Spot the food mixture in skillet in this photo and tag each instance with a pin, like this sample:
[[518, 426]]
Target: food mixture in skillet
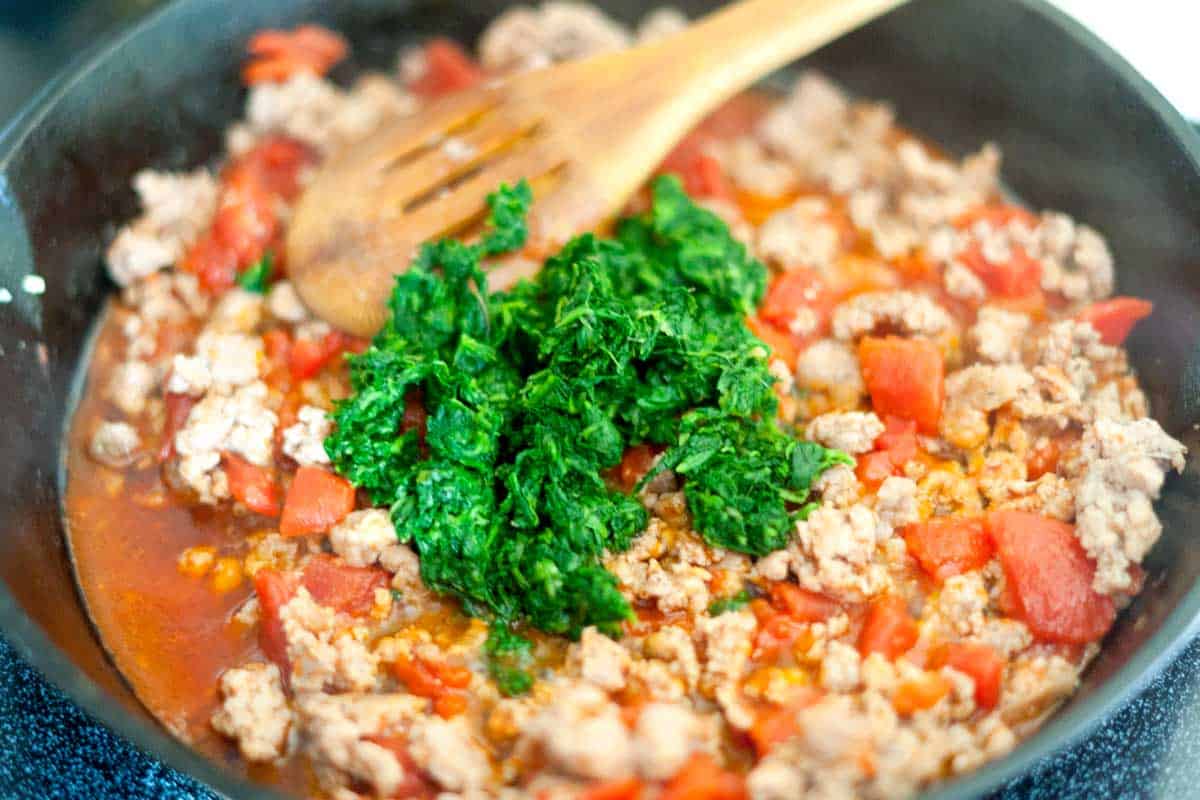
[[822, 473]]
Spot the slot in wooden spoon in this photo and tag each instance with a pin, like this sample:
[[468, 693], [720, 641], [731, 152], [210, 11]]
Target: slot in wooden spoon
[[587, 133]]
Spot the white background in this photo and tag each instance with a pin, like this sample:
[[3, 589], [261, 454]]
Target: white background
[[1161, 38]]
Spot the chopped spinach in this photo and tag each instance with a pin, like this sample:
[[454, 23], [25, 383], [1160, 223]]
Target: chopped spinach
[[731, 603], [534, 393]]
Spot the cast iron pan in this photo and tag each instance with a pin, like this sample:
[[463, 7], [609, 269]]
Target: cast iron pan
[[1079, 129]]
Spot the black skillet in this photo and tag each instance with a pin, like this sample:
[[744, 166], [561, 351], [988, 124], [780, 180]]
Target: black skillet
[[1079, 129]]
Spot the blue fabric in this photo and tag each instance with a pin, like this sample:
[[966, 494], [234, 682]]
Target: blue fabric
[[51, 749]]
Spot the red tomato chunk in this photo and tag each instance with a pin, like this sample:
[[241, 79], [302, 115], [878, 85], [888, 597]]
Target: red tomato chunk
[[1114, 318], [1049, 578], [343, 587], [904, 379], [888, 629], [946, 547], [316, 501]]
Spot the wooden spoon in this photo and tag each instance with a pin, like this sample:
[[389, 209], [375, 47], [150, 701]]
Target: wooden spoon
[[586, 134]]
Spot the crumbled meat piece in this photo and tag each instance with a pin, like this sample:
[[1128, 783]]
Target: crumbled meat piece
[[962, 603], [664, 737], [727, 639], [304, 442], [800, 235], [1075, 259], [240, 423], [854, 432], [333, 728], [997, 334], [974, 392], [838, 486], [908, 313], [1124, 467], [321, 656], [751, 167], [130, 385], [238, 311], [1050, 495], [836, 552], [840, 668], [449, 753], [896, 502], [660, 23], [254, 711], [602, 662], [1006, 636], [675, 587], [176, 207], [1034, 685], [525, 38], [962, 283], [673, 646], [284, 303], [364, 536], [318, 113], [581, 733], [774, 566], [114, 444], [831, 366], [223, 361]]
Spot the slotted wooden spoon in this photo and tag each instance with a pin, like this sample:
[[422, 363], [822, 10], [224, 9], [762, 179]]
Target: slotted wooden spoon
[[586, 134]]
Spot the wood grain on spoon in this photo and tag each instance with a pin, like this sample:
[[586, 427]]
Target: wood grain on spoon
[[587, 134]]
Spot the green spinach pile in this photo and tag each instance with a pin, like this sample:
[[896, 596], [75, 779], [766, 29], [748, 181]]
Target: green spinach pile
[[534, 393]]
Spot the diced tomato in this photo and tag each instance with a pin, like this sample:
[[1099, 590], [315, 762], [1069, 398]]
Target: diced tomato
[[178, 406], [246, 220], [776, 724], [898, 440], [274, 165], [456, 676], [1019, 276], [1114, 318], [981, 662], [894, 448], [904, 378], [213, 262], [617, 789], [450, 704], [416, 675], [801, 604], [334, 583], [1050, 577], [448, 69], [251, 485], [277, 55], [436, 681], [998, 216], [776, 630], [919, 693], [309, 356], [874, 468], [1044, 457], [413, 785], [702, 175], [948, 546], [781, 343], [274, 590], [635, 463], [888, 629], [277, 344], [792, 291], [701, 778], [316, 501]]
